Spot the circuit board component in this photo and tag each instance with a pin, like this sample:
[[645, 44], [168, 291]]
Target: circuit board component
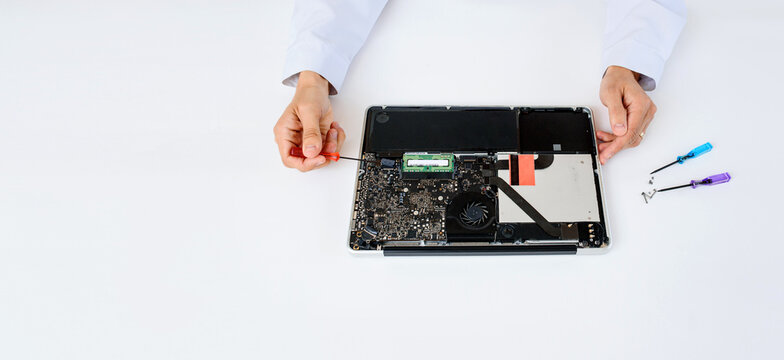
[[422, 162]]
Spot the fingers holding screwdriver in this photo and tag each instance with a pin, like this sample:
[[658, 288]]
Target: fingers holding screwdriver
[[288, 134], [294, 156], [307, 122]]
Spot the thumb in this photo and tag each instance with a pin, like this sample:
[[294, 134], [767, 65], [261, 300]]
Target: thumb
[[311, 133], [617, 114]]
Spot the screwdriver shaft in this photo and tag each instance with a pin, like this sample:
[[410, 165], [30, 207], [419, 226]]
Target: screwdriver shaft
[[360, 160], [674, 187], [664, 167]]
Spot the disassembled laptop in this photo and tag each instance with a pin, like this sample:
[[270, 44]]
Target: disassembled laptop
[[456, 181]]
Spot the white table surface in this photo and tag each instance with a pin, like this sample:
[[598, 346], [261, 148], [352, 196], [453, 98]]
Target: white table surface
[[144, 213]]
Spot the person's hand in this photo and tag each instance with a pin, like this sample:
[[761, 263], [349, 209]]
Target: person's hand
[[631, 111], [307, 122]]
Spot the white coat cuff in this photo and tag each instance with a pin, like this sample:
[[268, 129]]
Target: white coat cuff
[[317, 57], [638, 58]]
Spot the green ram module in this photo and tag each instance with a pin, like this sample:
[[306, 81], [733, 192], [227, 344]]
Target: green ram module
[[421, 162]]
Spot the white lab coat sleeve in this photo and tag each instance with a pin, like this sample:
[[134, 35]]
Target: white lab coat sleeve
[[640, 36], [326, 35]]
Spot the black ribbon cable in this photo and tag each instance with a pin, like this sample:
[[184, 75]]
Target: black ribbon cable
[[514, 170], [526, 207]]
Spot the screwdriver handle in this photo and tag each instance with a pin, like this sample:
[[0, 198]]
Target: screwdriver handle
[[699, 150], [297, 152], [712, 180]]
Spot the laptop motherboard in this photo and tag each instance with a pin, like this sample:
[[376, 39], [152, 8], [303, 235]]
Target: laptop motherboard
[[444, 199]]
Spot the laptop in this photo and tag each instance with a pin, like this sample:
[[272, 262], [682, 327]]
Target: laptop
[[478, 181]]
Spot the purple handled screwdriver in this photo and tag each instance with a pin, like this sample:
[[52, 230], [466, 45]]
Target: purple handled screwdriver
[[710, 180]]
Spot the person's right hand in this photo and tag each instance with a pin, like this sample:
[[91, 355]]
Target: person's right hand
[[307, 122]]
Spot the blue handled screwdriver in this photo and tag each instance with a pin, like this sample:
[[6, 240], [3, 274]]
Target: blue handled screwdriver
[[699, 150]]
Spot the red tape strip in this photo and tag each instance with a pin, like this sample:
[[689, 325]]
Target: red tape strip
[[525, 172]]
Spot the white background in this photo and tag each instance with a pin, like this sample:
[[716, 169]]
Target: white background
[[144, 213]]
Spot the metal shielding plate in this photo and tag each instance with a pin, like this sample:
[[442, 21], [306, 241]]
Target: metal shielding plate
[[565, 191]]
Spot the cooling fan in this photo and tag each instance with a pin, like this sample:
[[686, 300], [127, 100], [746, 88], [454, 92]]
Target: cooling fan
[[469, 215], [474, 214]]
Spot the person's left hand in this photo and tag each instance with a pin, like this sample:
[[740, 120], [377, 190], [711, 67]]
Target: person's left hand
[[631, 111]]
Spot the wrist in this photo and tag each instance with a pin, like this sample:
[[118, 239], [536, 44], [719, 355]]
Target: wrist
[[310, 79], [622, 71]]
